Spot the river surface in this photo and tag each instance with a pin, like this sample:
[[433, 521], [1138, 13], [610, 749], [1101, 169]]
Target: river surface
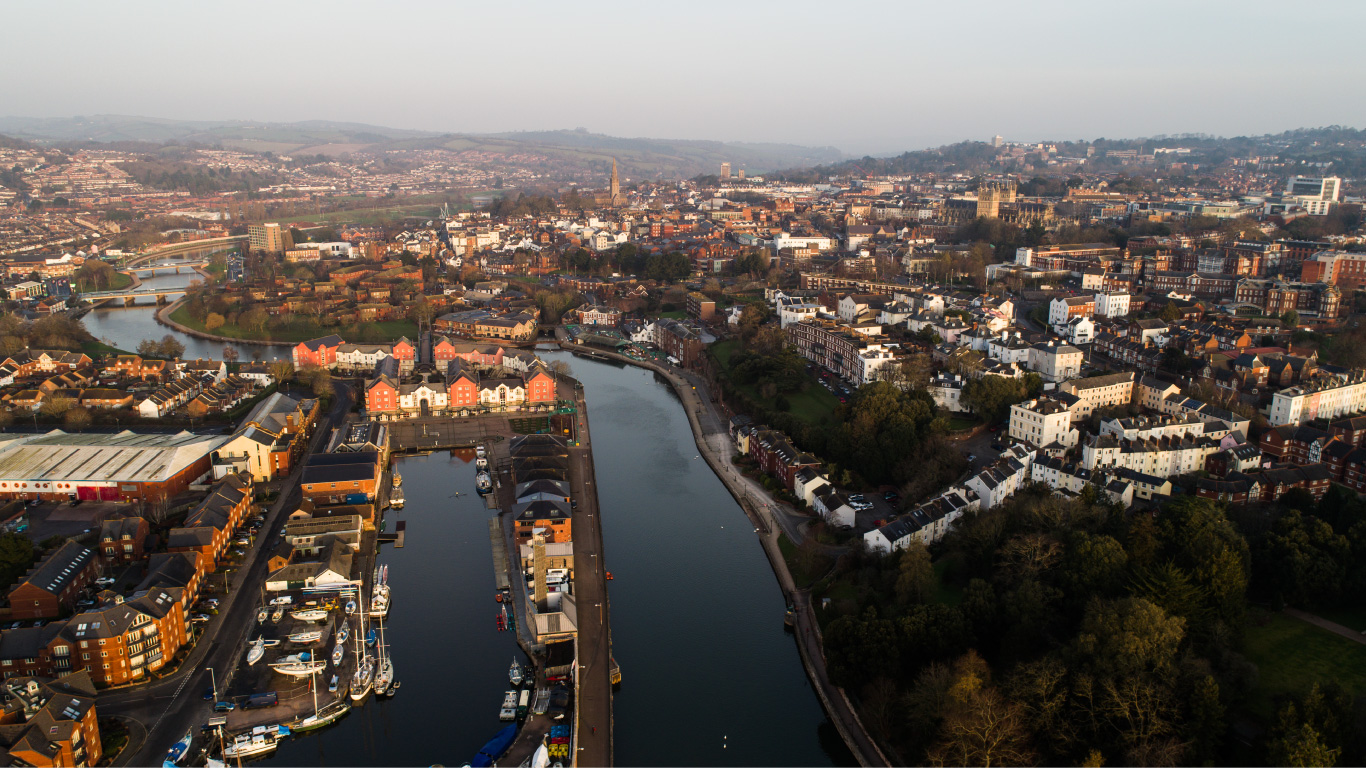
[[124, 327], [709, 676]]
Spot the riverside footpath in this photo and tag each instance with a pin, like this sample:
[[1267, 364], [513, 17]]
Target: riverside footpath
[[770, 519]]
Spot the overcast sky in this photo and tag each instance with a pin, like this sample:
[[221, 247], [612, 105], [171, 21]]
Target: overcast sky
[[864, 77]]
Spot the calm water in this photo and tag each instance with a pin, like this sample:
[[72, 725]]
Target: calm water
[[124, 327], [709, 675]]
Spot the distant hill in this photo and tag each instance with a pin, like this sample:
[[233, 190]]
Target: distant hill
[[573, 152], [1341, 150]]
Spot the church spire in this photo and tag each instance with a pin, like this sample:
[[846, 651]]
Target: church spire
[[614, 192]]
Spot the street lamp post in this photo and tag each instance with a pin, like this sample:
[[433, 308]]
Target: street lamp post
[[213, 684]]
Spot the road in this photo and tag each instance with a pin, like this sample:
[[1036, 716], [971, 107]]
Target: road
[[594, 705], [175, 704]]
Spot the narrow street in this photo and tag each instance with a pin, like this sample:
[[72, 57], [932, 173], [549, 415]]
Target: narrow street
[[175, 704]]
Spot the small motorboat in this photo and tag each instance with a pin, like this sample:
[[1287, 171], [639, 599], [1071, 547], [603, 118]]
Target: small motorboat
[[509, 709], [271, 643], [398, 480], [515, 673], [255, 651], [350, 607], [332, 686], [178, 750], [371, 637], [396, 499], [343, 633], [338, 653], [259, 741], [309, 614], [481, 463], [262, 615], [483, 483], [277, 614]]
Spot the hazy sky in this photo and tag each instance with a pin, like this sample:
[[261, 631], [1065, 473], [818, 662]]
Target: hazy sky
[[861, 76]]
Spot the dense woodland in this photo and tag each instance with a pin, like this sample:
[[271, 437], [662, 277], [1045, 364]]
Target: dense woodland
[[1085, 636]]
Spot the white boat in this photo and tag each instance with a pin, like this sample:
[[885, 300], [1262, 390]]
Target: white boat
[[310, 614], [379, 602], [481, 463], [311, 636], [255, 650], [271, 643], [396, 498], [515, 673], [258, 741], [332, 686], [483, 483], [343, 633], [298, 665], [338, 652], [277, 614], [398, 479], [384, 674], [509, 708], [325, 716], [262, 615], [350, 607], [542, 757], [364, 679], [479, 452]]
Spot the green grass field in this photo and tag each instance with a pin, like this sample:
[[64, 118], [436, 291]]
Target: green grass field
[[814, 405], [803, 573], [303, 330], [960, 423], [94, 348], [1291, 655], [118, 282]]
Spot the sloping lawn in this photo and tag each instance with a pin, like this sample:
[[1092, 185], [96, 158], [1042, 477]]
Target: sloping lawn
[[1291, 655], [814, 405]]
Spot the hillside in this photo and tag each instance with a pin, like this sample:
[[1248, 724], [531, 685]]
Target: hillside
[[560, 153]]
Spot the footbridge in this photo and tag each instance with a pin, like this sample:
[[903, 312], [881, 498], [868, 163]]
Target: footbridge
[[191, 249], [151, 270]]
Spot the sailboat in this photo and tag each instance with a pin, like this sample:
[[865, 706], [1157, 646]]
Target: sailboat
[[309, 614], [364, 678], [338, 653], [384, 676], [328, 714], [255, 650], [298, 665], [344, 633]]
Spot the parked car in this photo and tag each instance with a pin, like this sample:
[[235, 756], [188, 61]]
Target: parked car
[[199, 618], [856, 497], [997, 446], [105, 581], [224, 706], [209, 694], [242, 541]]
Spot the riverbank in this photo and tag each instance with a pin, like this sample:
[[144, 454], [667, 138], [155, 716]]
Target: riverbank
[[716, 450], [163, 317]]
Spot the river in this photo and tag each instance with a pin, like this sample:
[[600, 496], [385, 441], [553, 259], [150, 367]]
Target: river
[[710, 677], [124, 327]]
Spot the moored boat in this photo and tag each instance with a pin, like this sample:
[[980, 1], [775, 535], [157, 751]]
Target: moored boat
[[515, 673], [309, 614], [481, 463], [363, 680], [325, 716], [483, 483], [495, 747], [332, 686], [338, 652], [343, 633], [262, 615], [509, 709], [350, 607], [258, 741], [396, 498], [277, 614], [398, 480], [310, 636]]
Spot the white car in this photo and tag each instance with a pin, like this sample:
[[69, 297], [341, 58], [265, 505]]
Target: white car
[[105, 581], [282, 600]]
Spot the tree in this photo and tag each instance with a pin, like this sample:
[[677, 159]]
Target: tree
[[1128, 636], [171, 348], [992, 396], [1170, 313], [322, 382], [16, 555], [6, 417], [254, 318], [1290, 318], [56, 406], [230, 353], [282, 370], [213, 322], [77, 419], [915, 581], [981, 727]]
